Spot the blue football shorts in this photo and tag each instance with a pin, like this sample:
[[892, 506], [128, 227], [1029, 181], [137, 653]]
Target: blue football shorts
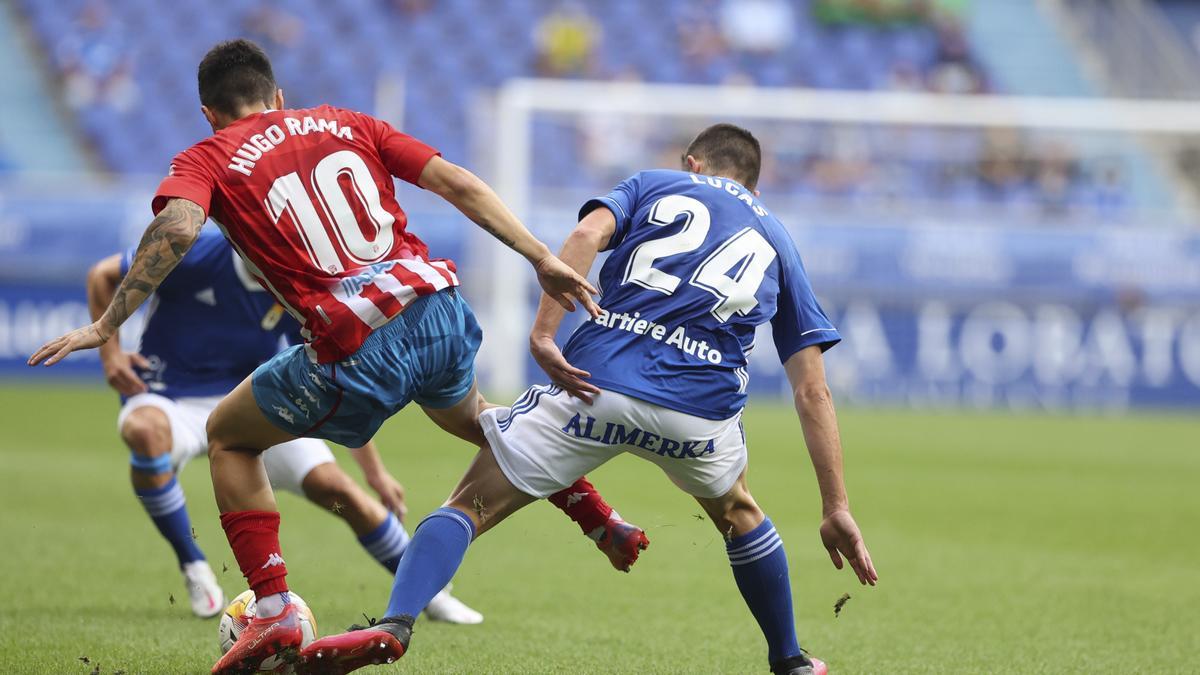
[[425, 354]]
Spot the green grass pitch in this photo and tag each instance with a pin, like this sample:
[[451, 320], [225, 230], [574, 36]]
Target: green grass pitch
[[1006, 543]]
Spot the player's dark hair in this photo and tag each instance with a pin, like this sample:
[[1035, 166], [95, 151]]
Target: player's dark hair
[[728, 149], [235, 74]]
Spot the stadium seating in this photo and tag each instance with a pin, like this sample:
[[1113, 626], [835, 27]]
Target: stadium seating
[[135, 69], [33, 138], [1185, 17], [388, 38]]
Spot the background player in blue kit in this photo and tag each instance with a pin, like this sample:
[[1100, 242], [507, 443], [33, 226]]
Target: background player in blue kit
[[697, 264], [209, 325]]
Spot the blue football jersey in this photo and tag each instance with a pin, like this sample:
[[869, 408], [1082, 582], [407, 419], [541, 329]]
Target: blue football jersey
[[209, 324], [697, 264]]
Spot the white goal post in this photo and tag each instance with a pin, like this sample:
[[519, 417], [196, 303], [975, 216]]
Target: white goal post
[[507, 315]]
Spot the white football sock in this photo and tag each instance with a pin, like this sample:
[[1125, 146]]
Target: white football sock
[[271, 605]]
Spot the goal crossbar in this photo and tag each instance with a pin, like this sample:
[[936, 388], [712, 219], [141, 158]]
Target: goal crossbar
[[519, 100], [1077, 114]]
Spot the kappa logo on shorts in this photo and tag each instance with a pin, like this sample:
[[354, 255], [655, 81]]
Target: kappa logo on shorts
[[316, 380], [284, 414], [617, 434], [303, 408]]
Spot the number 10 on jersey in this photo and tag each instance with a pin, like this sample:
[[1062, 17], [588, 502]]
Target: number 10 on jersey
[[289, 195]]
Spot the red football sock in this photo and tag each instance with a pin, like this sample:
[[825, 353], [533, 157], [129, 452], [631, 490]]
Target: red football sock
[[583, 505], [254, 538]]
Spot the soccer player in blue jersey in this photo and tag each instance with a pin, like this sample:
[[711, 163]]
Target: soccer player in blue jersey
[[697, 263], [209, 325]]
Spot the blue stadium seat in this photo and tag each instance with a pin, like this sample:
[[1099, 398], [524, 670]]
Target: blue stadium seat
[[455, 48]]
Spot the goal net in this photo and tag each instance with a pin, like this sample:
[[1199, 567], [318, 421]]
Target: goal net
[[980, 250]]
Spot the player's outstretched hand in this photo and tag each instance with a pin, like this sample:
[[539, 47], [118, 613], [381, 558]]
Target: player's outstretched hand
[[120, 374], [88, 337], [549, 357], [390, 491], [840, 534], [565, 286]]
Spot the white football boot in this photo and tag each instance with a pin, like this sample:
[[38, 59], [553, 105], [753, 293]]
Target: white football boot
[[446, 607], [204, 592]]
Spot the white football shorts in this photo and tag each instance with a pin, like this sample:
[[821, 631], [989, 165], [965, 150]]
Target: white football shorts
[[287, 464], [547, 440]]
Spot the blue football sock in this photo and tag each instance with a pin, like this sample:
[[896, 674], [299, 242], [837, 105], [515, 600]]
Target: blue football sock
[[168, 510], [761, 571], [387, 542], [433, 556]]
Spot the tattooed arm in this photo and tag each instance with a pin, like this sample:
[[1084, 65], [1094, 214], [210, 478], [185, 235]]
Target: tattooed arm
[[120, 367], [477, 201], [164, 244]]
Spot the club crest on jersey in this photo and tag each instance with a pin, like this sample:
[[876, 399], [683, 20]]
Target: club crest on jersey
[[272, 317], [618, 434]]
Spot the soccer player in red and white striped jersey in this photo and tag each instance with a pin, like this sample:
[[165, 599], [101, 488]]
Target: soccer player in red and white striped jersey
[[306, 198]]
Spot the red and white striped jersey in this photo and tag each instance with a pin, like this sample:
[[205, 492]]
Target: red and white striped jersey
[[306, 197]]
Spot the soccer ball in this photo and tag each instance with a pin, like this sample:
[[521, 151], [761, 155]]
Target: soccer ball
[[240, 611]]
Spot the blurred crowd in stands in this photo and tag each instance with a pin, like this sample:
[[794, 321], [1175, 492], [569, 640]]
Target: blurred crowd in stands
[[754, 42], [120, 70]]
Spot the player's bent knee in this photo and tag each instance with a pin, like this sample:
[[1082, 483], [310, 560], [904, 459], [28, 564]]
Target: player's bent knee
[[147, 432], [327, 485], [735, 513], [488, 501], [221, 438], [218, 448], [214, 430], [741, 518]]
